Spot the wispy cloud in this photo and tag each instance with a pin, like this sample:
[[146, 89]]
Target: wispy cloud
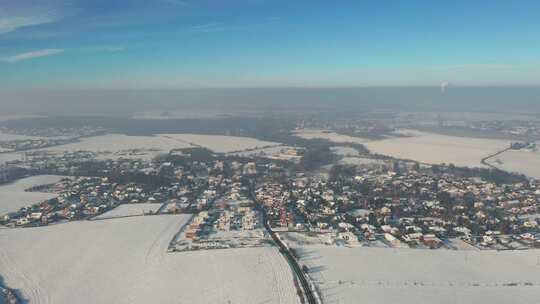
[[10, 24], [31, 55], [208, 27]]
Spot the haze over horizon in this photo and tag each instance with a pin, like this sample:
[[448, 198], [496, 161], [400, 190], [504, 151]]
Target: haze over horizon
[[350, 101]]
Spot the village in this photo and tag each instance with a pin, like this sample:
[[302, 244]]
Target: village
[[394, 204]]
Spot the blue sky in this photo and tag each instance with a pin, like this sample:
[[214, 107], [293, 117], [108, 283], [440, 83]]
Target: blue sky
[[274, 43]]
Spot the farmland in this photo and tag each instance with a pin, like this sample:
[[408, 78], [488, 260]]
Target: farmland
[[347, 275], [125, 261], [13, 196], [220, 143], [436, 149], [329, 135], [522, 161]]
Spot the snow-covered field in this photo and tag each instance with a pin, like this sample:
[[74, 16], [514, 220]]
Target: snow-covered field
[[13, 197], [6, 117], [9, 137], [116, 145], [328, 135], [274, 150], [359, 161], [345, 151], [436, 149], [126, 261], [381, 275], [7, 157], [220, 143], [129, 210], [520, 161]]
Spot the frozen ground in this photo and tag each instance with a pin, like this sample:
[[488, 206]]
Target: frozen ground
[[274, 150], [345, 151], [522, 161], [382, 275], [220, 143], [359, 161], [118, 145], [329, 135], [436, 149], [125, 261], [6, 117], [130, 210], [7, 157], [13, 197], [9, 137]]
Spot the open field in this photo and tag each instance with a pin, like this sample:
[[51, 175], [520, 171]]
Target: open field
[[10, 137], [520, 161], [118, 145], [436, 149], [220, 143], [7, 117], [129, 210], [381, 275], [359, 161], [329, 135], [126, 261], [113, 146], [7, 157], [13, 197]]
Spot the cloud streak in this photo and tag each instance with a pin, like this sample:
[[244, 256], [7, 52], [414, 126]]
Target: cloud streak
[[10, 24], [32, 55], [207, 28]]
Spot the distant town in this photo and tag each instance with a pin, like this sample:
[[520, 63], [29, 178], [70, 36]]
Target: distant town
[[310, 189], [385, 203]]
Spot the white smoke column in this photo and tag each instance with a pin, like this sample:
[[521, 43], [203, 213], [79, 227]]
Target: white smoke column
[[444, 85]]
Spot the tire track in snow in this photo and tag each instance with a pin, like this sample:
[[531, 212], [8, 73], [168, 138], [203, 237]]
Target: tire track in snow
[[29, 288]]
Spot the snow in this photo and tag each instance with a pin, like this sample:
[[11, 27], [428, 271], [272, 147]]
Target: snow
[[329, 135], [6, 117], [126, 261], [10, 137], [360, 161], [345, 151], [117, 145], [220, 143], [382, 275], [520, 161], [13, 197], [114, 146], [436, 149], [7, 157], [130, 210]]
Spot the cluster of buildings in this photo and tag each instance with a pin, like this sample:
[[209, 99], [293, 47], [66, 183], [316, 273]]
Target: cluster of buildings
[[399, 205], [232, 221], [413, 208], [87, 197]]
